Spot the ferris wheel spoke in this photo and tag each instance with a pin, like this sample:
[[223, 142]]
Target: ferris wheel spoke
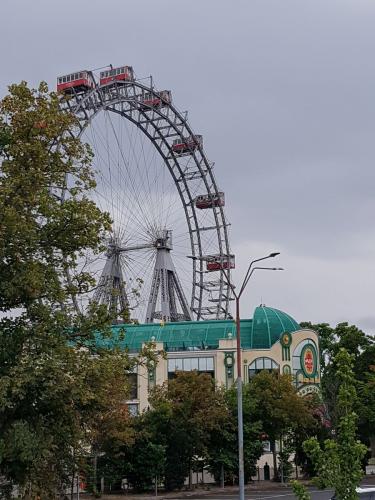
[[125, 201], [149, 190], [121, 180], [139, 273], [132, 182]]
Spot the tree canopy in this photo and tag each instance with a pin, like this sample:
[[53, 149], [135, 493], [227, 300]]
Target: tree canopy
[[338, 461], [52, 393]]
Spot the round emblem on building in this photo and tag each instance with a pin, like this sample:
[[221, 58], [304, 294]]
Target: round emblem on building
[[309, 361], [286, 339]]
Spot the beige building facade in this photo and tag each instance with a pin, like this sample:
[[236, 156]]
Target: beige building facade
[[271, 340]]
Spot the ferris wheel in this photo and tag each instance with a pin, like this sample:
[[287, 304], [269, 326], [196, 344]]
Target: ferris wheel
[[168, 249]]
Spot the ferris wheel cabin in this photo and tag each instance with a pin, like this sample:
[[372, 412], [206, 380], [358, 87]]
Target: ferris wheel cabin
[[219, 262], [154, 101], [75, 82], [187, 145], [121, 74], [210, 200]]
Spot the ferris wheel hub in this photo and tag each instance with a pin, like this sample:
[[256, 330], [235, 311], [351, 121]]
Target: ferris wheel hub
[[164, 240]]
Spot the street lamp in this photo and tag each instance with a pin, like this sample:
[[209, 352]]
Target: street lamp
[[250, 271]]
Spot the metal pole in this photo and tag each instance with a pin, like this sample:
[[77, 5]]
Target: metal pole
[[250, 271], [241, 476]]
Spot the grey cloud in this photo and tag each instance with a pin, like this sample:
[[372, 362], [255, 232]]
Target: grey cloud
[[283, 93]]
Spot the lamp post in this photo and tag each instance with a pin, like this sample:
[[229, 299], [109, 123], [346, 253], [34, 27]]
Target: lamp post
[[250, 271]]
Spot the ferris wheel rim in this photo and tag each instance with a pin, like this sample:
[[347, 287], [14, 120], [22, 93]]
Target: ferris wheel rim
[[180, 126]]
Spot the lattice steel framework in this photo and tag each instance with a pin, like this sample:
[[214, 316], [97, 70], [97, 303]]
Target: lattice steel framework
[[209, 295]]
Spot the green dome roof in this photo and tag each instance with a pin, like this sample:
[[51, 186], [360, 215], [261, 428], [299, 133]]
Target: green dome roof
[[261, 332], [267, 326]]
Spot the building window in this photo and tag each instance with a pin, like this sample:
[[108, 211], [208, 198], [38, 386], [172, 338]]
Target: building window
[[133, 409], [201, 365], [266, 447], [151, 372], [287, 370], [132, 379], [260, 364]]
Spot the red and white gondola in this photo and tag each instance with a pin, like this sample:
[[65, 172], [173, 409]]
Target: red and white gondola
[[219, 262], [121, 74], [75, 82], [187, 145], [204, 201], [154, 101]]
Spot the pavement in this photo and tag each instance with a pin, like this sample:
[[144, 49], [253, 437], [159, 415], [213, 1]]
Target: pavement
[[263, 490]]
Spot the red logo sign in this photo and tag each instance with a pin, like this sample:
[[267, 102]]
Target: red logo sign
[[308, 361]]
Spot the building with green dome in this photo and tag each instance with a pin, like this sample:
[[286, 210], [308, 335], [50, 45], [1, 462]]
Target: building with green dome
[[270, 340]]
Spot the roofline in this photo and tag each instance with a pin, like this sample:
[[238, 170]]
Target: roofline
[[72, 72], [180, 323]]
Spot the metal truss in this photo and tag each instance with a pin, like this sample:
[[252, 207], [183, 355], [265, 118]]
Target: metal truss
[[209, 297]]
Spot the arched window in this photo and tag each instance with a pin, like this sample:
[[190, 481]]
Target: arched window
[[260, 364]]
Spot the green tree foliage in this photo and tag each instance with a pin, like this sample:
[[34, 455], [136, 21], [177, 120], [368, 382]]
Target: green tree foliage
[[338, 463], [54, 397], [191, 409], [145, 460], [300, 491], [362, 349], [173, 436], [366, 409], [223, 447], [41, 236], [281, 410]]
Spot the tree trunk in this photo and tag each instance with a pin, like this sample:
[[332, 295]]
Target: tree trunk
[[73, 477], [95, 467], [372, 446], [72, 486], [222, 477], [273, 444], [281, 462]]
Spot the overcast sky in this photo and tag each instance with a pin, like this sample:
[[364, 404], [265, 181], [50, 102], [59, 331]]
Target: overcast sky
[[283, 92]]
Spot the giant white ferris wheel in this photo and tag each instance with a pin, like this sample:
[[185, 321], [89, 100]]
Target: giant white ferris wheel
[[168, 249]]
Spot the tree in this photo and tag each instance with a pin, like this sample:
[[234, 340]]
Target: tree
[[338, 463], [43, 234], [223, 447], [362, 349], [190, 409], [280, 409], [52, 394], [54, 398], [364, 368], [145, 460], [366, 409]]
